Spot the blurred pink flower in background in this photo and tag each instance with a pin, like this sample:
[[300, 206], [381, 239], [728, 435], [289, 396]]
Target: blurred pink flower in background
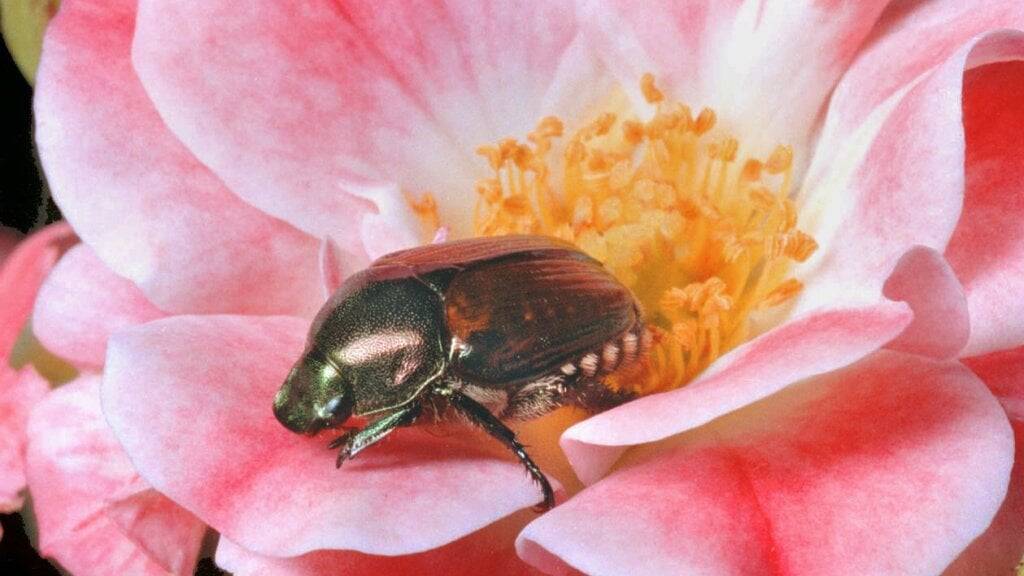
[[223, 162]]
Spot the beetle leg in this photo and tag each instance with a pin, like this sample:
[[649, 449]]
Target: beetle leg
[[483, 418], [354, 441], [595, 396]]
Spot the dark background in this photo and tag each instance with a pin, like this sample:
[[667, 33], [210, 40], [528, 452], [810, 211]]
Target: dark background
[[25, 205]]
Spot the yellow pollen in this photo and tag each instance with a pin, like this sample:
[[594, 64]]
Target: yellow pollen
[[702, 237]]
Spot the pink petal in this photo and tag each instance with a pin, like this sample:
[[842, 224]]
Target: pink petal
[[190, 398], [20, 391], [925, 281], [153, 213], [487, 551], [896, 183], [309, 114], [82, 303], [987, 248], [76, 471], [911, 39], [891, 466], [1003, 372], [799, 349], [20, 277], [1001, 547], [766, 67]]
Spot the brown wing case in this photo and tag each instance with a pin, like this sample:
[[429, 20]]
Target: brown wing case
[[465, 253], [521, 317]]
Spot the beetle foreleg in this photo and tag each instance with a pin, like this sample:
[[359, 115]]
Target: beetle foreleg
[[482, 417], [354, 441]]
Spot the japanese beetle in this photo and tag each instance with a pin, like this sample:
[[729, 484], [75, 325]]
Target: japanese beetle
[[486, 329]]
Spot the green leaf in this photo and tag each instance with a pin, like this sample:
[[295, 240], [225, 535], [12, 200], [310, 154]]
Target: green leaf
[[23, 23]]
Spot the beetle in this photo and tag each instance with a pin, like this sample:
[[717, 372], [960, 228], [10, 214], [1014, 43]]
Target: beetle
[[486, 330]]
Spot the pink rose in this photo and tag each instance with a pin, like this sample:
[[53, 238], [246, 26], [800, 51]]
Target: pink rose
[[828, 243]]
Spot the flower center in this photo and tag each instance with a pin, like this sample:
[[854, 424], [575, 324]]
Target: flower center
[[703, 240]]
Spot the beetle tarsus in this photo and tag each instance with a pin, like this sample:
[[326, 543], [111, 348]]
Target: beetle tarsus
[[483, 418]]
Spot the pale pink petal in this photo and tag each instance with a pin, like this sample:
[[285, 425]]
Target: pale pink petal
[[1001, 547], [82, 303], [190, 399], [924, 280], [896, 183], [891, 466], [76, 471], [767, 68], [313, 111], [987, 248], [20, 391], [21, 274], [487, 551], [153, 213], [804, 347], [910, 39]]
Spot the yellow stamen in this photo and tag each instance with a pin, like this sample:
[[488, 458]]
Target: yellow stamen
[[702, 237]]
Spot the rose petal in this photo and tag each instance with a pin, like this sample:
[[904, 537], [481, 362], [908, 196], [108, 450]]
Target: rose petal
[[82, 303], [190, 398], [152, 212], [20, 391], [1003, 372], [987, 248], [911, 39], [20, 277], [801, 348], [765, 67], [1001, 547], [896, 183], [75, 467], [352, 95], [891, 466], [923, 279], [487, 551]]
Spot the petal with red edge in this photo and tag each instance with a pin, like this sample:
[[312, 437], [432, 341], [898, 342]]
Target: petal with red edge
[[923, 279], [190, 399], [896, 183], [891, 466], [20, 391], [486, 551], [354, 94], [76, 472], [765, 67], [804, 347], [987, 249], [910, 39], [1003, 372], [82, 303], [153, 213], [21, 275]]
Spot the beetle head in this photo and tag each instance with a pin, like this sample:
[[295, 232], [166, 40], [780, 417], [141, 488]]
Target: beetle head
[[313, 396]]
